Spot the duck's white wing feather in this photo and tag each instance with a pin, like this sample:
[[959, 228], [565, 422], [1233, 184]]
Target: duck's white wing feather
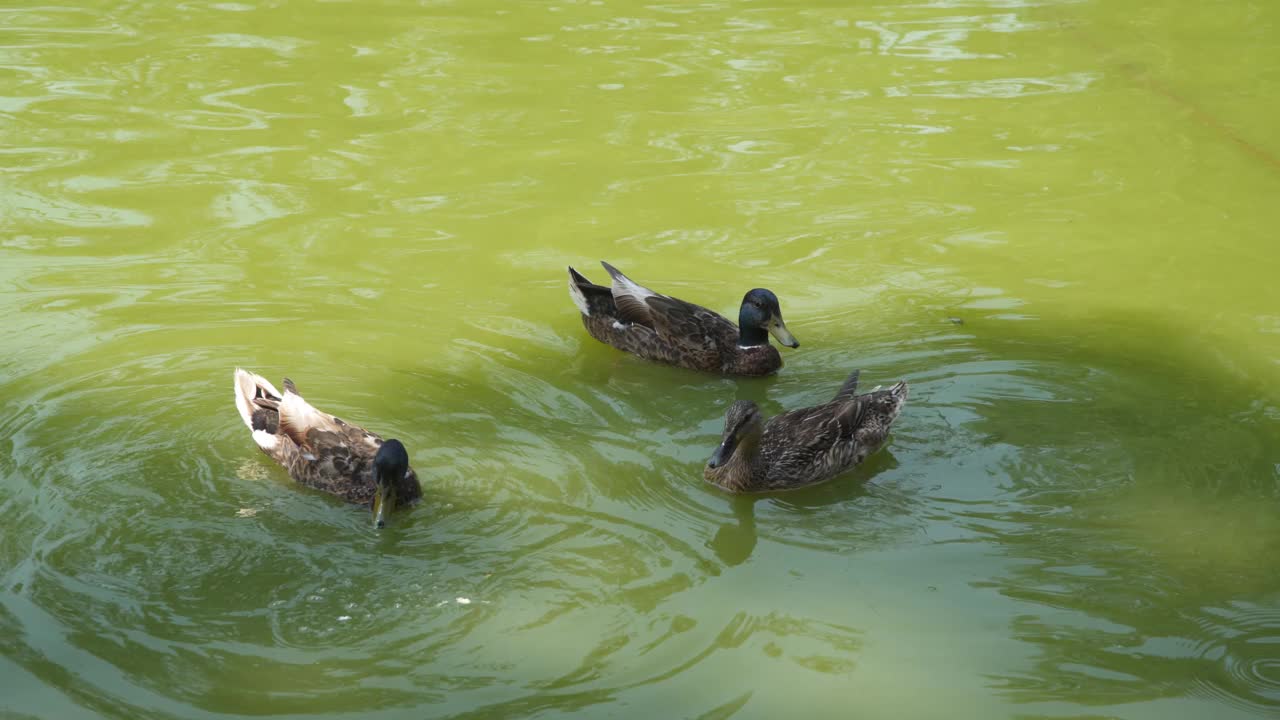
[[630, 297], [298, 417]]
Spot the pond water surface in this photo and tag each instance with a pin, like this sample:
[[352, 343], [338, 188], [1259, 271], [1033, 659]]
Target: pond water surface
[[1056, 220]]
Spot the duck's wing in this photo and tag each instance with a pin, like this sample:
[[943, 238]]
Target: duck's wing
[[630, 298], [683, 321], [312, 428], [800, 438], [672, 318], [818, 426]]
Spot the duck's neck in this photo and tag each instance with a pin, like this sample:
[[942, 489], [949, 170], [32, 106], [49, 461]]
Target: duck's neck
[[739, 474], [749, 333], [408, 489]]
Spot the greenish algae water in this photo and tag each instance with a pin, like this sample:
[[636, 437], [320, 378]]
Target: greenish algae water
[[1078, 515]]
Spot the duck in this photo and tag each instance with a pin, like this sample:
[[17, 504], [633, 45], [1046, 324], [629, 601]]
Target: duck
[[324, 452], [668, 330], [802, 447]]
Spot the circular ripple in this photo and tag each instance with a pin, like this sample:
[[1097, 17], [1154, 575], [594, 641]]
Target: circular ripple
[[1244, 649]]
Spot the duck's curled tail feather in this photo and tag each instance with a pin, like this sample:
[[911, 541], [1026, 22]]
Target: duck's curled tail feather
[[258, 402]]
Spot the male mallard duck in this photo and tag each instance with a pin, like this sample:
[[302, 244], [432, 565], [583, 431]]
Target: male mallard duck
[[802, 447], [657, 327], [323, 452]]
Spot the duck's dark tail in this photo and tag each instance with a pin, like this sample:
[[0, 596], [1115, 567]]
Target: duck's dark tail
[[889, 402], [589, 297]]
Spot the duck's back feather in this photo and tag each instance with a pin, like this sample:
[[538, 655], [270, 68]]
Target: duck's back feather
[[298, 419]]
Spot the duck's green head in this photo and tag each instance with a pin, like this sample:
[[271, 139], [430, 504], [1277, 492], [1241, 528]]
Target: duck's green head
[[759, 317], [389, 467], [743, 426]]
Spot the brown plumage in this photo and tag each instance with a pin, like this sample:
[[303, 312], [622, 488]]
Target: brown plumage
[[664, 329], [318, 449], [806, 446]]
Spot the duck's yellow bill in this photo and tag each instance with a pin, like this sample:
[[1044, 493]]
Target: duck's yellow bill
[[779, 330], [382, 505]]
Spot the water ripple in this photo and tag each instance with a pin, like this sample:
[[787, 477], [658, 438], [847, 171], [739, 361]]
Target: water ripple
[[1242, 642]]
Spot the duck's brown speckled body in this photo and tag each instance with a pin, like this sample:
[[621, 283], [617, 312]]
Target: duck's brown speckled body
[[317, 449], [664, 329], [806, 446]]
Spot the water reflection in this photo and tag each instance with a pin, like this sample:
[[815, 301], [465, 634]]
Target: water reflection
[[734, 542]]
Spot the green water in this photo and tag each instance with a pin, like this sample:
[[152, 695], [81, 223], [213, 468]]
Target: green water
[[1078, 514]]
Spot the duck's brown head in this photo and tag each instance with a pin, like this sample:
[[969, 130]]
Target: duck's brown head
[[730, 465]]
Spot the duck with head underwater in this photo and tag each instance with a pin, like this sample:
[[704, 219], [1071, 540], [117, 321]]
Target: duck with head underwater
[[324, 452], [664, 329], [805, 446]]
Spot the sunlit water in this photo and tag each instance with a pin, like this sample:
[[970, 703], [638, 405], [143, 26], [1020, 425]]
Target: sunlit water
[[1056, 220]]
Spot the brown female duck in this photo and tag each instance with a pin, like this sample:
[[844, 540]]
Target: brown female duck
[[802, 447], [323, 452], [658, 327]]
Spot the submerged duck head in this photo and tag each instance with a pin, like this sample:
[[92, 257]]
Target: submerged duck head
[[743, 425], [760, 317], [389, 467]]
